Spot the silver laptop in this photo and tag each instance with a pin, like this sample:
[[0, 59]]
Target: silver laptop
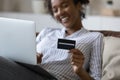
[[17, 40]]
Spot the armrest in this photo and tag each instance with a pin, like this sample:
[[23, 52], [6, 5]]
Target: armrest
[[109, 33]]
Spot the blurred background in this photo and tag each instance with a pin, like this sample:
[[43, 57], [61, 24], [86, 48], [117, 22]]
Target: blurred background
[[96, 7], [100, 14]]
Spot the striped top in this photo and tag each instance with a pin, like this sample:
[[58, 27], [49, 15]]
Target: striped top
[[57, 61]]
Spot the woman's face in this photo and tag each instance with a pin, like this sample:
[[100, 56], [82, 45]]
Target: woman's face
[[66, 12]]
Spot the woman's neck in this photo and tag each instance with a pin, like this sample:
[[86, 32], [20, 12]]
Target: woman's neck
[[71, 31]]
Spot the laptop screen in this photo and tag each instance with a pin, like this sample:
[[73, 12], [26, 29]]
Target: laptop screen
[[18, 40]]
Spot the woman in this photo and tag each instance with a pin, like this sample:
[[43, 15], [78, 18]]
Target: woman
[[81, 63]]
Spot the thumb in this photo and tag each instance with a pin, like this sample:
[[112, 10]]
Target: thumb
[[39, 57]]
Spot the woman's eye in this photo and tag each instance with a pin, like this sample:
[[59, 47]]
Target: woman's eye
[[65, 5], [54, 10]]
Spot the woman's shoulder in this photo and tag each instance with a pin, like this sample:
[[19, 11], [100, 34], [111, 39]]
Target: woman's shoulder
[[92, 33], [49, 29], [46, 31], [95, 35]]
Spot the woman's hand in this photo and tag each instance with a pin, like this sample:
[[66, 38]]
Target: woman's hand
[[77, 60], [39, 57]]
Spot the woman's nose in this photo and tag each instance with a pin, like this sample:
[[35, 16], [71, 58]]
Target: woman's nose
[[60, 11]]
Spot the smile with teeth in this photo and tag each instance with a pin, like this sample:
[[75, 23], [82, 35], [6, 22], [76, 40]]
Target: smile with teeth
[[64, 19]]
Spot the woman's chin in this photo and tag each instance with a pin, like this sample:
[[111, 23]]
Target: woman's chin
[[66, 25]]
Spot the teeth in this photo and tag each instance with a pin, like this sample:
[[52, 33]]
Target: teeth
[[64, 19]]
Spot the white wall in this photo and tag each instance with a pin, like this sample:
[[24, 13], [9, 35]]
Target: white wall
[[42, 21], [91, 22], [102, 23]]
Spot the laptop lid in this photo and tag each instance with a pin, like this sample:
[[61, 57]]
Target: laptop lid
[[17, 40]]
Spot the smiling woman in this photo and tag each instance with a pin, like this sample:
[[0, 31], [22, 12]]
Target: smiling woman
[[83, 61], [83, 2], [65, 10]]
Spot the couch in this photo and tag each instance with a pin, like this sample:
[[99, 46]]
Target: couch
[[109, 26], [111, 56]]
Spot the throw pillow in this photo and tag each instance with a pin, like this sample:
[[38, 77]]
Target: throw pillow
[[111, 59]]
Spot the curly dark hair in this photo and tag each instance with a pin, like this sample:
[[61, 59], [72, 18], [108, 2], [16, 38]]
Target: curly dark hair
[[83, 2]]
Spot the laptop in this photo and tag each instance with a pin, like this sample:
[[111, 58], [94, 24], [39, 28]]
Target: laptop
[[17, 40], [18, 43]]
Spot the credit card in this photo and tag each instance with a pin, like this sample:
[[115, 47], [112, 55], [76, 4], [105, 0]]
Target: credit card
[[66, 44]]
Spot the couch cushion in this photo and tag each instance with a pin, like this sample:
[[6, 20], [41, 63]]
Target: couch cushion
[[108, 33], [111, 58]]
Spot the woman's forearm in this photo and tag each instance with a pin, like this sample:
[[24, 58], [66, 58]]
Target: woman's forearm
[[84, 75]]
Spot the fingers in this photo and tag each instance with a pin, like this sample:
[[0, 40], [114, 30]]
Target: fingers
[[39, 57], [78, 62], [77, 58], [76, 54], [75, 51]]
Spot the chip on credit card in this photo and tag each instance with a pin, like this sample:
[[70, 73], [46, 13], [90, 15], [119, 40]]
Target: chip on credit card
[[66, 44]]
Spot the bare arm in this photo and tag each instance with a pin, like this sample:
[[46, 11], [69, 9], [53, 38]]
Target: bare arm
[[77, 60], [84, 75]]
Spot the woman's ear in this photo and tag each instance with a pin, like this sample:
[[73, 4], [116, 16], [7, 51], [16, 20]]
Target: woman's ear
[[79, 6]]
